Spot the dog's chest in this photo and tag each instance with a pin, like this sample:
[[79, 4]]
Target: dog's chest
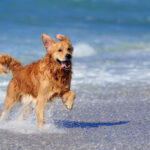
[[58, 88], [54, 87], [56, 82]]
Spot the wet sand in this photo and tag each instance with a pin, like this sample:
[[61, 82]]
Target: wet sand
[[115, 117]]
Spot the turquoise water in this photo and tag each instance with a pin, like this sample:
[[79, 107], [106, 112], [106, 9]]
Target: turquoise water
[[111, 38]]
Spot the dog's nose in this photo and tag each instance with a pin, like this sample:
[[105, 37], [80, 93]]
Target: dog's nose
[[68, 56]]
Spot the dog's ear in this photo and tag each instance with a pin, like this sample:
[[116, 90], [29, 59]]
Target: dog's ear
[[62, 37], [47, 41]]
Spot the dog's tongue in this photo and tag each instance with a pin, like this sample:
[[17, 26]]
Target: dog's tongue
[[63, 64]]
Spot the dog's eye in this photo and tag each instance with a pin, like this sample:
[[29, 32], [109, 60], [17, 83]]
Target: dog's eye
[[60, 50], [69, 49]]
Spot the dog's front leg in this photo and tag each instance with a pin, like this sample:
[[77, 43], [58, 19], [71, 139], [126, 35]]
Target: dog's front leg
[[68, 99], [40, 104]]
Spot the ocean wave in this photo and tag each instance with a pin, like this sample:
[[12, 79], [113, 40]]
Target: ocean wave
[[83, 50], [124, 46], [130, 66]]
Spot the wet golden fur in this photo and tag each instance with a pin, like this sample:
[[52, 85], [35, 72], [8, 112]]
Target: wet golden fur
[[43, 79]]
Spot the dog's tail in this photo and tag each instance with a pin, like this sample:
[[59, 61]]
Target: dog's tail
[[8, 61]]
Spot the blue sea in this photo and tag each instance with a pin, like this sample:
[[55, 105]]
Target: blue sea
[[111, 38]]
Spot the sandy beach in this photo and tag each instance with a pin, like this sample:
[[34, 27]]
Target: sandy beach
[[113, 119]]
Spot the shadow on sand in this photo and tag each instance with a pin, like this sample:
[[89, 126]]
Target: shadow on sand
[[80, 124]]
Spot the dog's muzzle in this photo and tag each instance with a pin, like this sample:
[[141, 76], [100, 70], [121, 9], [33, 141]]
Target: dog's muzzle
[[65, 64]]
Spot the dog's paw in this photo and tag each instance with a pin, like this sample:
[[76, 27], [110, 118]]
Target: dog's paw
[[68, 99], [68, 103]]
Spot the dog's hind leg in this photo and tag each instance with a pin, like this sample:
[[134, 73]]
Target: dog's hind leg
[[9, 102], [10, 99]]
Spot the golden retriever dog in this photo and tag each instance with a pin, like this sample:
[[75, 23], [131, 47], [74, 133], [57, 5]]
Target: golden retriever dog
[[42, 80]]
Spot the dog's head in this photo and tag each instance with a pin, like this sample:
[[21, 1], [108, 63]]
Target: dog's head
[[61, 51]]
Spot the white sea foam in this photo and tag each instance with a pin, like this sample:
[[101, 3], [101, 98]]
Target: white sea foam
[[109, 73], [83, 50], [13, 123], [28, 127], [4, 83]]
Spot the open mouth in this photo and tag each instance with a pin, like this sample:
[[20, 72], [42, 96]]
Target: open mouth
[[64, 64]]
